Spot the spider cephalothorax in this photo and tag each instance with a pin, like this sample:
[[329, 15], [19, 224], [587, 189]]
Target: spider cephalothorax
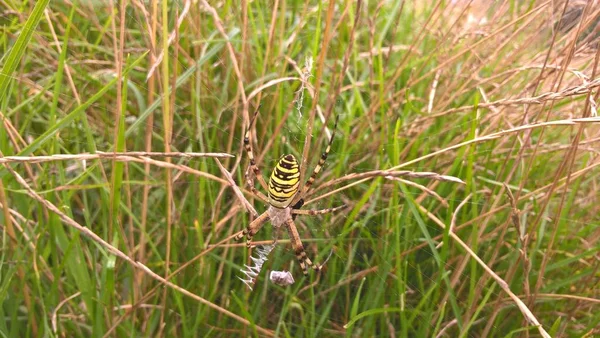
[[283, 190]]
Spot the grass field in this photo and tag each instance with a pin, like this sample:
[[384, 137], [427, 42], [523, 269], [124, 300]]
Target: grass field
[[466, 152]]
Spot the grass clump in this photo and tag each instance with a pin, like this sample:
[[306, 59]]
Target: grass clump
[[466, 151]]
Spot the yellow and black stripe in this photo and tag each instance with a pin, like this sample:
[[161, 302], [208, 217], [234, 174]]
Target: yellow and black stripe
[[284, 182]]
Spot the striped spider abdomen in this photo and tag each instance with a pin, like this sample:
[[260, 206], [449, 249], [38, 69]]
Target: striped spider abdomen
[[284, 182]]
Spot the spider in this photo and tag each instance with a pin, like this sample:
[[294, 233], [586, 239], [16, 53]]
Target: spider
[[283, 189]]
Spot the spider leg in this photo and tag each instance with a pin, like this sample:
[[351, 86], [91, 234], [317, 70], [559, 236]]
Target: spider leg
[[303, 259], [317, 169], [253, 166], [254, 191], [253, 228], [317, 212]]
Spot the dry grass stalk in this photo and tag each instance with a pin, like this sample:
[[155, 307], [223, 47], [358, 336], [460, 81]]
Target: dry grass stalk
[[118, 156], [172, 35], [92, 236], [583, 89], [503, 285], [124, 157], [237, 190], [390, 174]]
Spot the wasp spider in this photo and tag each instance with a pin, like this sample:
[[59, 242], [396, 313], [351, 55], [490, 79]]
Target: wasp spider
[[283, 189]]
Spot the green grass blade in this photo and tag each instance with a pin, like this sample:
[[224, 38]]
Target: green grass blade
[[14, 57]]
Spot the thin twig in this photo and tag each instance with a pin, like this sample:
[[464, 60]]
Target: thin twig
[[455, 213], [390, 174], [120, 158], [232, 55], [270, 84], [446, 327], [583, 89], [237, 190], [454, 216], [434, 85], [172, 35], [421, 187], [493, 136], [55, 312]]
